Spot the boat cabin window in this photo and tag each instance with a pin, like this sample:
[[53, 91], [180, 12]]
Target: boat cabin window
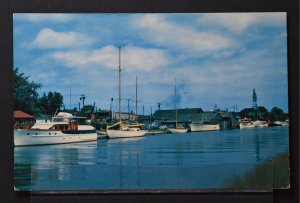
[[60, 127], [57, 119]]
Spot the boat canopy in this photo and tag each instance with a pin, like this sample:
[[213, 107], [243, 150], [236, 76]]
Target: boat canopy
[[47, 126]]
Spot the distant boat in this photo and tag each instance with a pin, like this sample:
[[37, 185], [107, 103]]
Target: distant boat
[[125, 130], [246, 123], [122, 129], [276, 123], [64, 128], [177, 129], [260, 124], [204, 126]]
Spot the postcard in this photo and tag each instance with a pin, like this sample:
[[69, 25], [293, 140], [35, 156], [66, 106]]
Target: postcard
[[160, 101]]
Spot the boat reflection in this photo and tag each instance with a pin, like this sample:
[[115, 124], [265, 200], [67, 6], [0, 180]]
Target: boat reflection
[[122, 140], [39, 164]]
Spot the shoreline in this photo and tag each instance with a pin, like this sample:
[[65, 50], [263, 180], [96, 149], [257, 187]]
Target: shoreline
[[270, 174]]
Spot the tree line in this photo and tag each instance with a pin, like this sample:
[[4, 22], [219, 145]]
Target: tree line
[[261, 113], [27, 99]]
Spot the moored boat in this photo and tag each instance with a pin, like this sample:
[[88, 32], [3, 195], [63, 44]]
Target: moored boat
[[260, 124], [272, 124], [246, 123], [121, 129], [125, 130], [63, 129], [204, 126], [177, 129]]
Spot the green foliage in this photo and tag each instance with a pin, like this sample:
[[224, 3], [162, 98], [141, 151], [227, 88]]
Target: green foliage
[[277, 114], [270, 174], [261, 113], [51, 102], [26, 97], [25, 93]]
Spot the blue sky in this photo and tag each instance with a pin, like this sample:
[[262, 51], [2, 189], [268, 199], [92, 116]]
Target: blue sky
[[216, 58]]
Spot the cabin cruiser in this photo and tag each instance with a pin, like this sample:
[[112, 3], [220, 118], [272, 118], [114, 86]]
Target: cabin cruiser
[[246, 123], [64, 128], [204, 126]]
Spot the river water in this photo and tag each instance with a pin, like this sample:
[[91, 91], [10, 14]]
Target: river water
[[198, 160]]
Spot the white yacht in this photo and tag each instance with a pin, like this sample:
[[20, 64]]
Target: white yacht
[[246, 123], [204, 126], [260, 124], [64, 128]]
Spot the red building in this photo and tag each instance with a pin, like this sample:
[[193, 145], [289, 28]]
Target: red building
[[23, 120]]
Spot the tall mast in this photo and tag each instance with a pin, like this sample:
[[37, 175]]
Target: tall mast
[[136, 113], [176, 107], [120, 84]]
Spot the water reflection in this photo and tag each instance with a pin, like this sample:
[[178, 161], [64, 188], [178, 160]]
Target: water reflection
[[171, 161], [34, 164]]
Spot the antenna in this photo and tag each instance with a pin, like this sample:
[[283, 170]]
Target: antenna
[[82, 97], [254, 100]]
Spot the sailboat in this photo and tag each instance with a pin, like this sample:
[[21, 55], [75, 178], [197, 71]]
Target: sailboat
[[121, 129], [177, 129]]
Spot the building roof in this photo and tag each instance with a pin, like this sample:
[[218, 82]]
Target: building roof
[[186, 115], [167, 114], [21, 114]]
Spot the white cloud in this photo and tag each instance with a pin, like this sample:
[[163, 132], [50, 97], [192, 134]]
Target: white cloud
[[48, 38], [187, 39], [239, 22], [41, 17], [132, 58]]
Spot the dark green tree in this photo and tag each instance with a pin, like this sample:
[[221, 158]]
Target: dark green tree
[[51, 103], [247, 113], [277, 114], [259, 113], [262, 113], [26, 97]]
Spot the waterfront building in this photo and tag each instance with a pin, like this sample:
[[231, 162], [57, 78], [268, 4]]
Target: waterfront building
[[23, 120], [124, 116], [101, 116], [226, 120]]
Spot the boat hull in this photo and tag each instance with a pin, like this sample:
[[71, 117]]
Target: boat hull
[[201, 127], [178, 130], [260, 124], [125, 133], [246, 125], [48, 137]]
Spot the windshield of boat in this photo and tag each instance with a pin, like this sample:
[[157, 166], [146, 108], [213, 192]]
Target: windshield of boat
[[78, 120]]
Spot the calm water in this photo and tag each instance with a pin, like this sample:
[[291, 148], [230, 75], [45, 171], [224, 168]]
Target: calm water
[[169, 161]]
